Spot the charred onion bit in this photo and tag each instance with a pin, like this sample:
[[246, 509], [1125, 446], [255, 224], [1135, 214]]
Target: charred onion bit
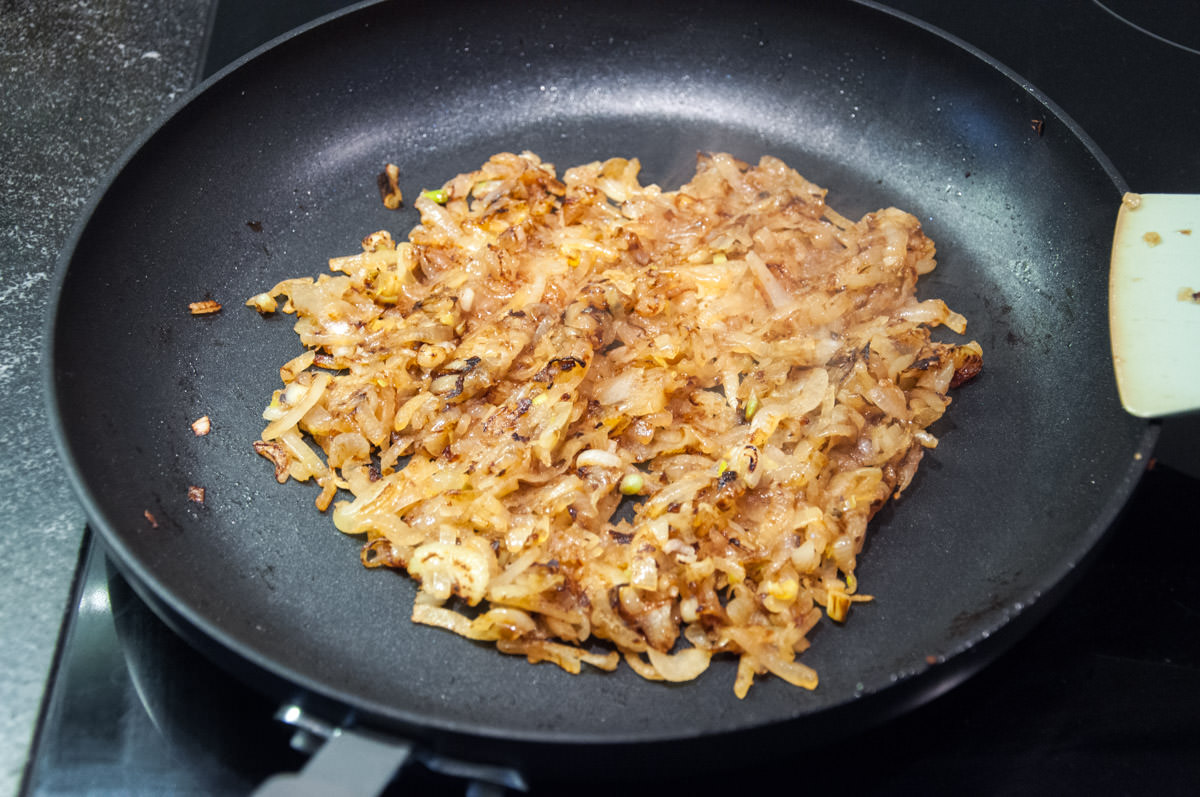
[[968, 363], [450, 382], [389, 187], [597, 410], [277, 454], [558, 365], [380, 553]]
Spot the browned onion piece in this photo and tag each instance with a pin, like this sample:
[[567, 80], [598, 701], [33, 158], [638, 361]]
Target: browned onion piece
[[379, 553]]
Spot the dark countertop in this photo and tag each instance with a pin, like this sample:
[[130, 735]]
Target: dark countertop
[[79, 81]]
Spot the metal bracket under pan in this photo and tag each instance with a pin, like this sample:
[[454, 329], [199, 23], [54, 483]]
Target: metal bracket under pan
[[357, 762]]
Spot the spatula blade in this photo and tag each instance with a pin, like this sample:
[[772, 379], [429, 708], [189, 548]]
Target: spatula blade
[[1154, 303]]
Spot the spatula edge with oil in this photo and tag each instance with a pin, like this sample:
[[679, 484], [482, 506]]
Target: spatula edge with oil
[[1154, 303]]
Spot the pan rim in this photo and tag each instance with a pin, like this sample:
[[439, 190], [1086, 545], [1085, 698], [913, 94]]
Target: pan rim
[[1031, 608]]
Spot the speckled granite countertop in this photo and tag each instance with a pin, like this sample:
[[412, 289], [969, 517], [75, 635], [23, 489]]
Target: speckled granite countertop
[[79, 82]]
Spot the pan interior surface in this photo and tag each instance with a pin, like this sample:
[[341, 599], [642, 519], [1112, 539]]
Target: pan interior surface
[[271, 170]]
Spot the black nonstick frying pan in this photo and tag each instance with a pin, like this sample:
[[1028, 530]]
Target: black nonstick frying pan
[[270, 169]]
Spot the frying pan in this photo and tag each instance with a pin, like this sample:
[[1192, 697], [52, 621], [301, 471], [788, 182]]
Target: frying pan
[[269, 169]]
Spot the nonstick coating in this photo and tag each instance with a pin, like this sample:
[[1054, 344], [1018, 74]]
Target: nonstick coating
[[270, 169]]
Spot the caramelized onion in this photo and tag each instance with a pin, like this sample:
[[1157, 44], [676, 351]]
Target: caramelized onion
[[598, 410]]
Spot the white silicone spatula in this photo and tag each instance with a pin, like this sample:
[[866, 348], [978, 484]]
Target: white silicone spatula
[[1154, 303]]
